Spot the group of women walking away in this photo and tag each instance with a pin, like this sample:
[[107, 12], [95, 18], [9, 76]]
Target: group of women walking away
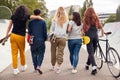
[[62, 29]]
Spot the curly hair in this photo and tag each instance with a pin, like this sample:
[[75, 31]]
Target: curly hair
[[21, 12], [76, 18]]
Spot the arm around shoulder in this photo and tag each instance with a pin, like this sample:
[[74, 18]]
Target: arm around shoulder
[[36, 17]]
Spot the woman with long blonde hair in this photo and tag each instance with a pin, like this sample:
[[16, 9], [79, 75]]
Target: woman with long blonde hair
[[58, 28], [91, 24]]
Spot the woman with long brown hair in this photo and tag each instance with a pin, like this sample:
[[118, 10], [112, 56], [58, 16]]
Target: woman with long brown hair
[[58, 28], [91, 24]]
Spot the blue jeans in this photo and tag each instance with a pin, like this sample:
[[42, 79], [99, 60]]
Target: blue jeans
[[38, 55], [74, 46]]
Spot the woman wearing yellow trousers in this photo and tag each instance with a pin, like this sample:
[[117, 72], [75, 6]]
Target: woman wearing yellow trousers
[[17, 38]]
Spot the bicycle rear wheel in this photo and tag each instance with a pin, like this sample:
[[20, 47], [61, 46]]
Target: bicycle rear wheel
[[113, 62], [98, 58]]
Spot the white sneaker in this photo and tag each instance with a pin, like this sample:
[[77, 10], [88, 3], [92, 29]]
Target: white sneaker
[[94, 67], [58, 70], [71, 68], [15, 71], [35, 71], [24, 67], [74, 71], [53, 68]]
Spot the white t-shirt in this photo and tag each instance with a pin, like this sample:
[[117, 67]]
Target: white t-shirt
[[59, 31]]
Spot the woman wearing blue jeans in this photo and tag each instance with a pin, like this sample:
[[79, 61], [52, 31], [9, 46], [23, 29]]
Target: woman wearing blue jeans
[[74, 39]]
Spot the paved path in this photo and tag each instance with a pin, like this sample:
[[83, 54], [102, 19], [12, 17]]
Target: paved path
[[66, 74]]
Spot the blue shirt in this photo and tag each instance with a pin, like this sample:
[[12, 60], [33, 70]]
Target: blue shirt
[[38, 29]]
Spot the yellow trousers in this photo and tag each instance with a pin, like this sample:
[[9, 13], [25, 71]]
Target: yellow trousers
[[17, 44]]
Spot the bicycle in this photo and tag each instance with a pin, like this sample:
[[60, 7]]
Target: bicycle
[[111, 57]]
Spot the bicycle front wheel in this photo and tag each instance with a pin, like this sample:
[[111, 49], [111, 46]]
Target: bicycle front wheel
[[98, 58], [113, 62]]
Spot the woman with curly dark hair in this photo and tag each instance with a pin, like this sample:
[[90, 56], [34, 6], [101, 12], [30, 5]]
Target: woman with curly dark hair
[[17, 37], [74, 39], [91, 24]]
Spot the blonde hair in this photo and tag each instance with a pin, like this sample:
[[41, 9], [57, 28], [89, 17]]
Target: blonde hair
[[61, 16]]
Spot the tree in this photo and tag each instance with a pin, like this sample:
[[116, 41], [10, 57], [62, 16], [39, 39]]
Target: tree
[[83, 10], [5, 12], [33, 4], [90, 3], [7, 7], [71, 10], [86, 4], [43, 8], [12, 4], [49, 21], [80, 12], [112, 18], [118, 14]]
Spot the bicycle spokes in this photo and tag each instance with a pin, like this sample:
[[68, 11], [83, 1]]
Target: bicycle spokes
[[113, 61], [98, 58]]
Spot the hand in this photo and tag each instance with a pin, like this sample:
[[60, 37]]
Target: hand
[[28, 38], [102, 33], [7, 34], [40, 18], [101, 36], [82, 33]]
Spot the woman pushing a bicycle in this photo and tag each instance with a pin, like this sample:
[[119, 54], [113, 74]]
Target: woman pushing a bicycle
[[90, 25]]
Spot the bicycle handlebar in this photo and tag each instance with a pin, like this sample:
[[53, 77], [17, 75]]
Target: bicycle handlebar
[[107, 33]]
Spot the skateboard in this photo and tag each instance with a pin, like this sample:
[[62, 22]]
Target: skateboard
[[52, 38], [4, 39]]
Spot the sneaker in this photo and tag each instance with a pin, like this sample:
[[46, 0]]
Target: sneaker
[[35, 71], [53, 68], [71, 68], [15, 71], [24, 67], [87, 67], [94, 72], [58, 70], [40, 72], [74, 71]]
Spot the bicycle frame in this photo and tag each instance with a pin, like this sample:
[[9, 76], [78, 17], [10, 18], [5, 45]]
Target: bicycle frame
[[107, 46], [110, 58]]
